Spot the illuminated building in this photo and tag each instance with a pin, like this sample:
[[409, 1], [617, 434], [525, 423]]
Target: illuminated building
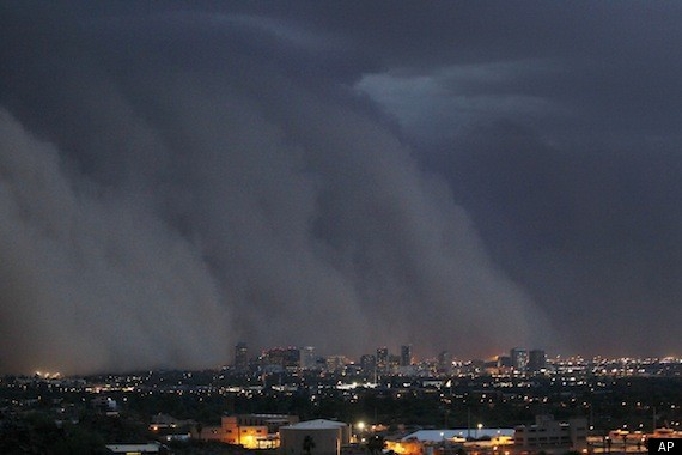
[[393, 363], [382, 360], [489, 441], [308, 359], [368, 364], [504, 365], [281, 359], [537, 361], [445, 361], [253, 431], [337, 363], [519, 359]]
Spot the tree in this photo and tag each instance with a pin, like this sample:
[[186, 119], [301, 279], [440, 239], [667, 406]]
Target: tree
[[308, 444], [375, 444]]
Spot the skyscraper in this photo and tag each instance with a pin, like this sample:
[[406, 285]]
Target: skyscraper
[[406, 355], [308, 359], [241, 356], [537, 360], [519, 359], [382, 359], [445, 361], [368, 364]]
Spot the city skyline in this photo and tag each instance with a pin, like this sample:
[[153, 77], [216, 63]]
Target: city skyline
[[455, 176]]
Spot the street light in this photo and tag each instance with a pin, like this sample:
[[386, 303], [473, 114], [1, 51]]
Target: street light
[[478, 428], [360, 430]]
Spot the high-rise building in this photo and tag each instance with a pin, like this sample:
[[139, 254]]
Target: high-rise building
[[241, 356], [337, 363], [445, 361], [308, 359], [281, 359], [292, 359], [519, 359], [393, 363], [368, 364], [406, 355], [537, 360], [382, 359]]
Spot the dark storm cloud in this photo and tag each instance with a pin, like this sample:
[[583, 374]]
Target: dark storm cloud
[[320, 173], [561, 139], [199, 177], [93, 282]]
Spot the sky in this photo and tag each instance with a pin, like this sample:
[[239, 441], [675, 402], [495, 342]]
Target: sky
[[464, 176]]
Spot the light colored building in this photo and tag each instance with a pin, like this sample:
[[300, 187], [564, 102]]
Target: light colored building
[[382, 360], [519, 359], [308, 359], [551, 435], [327, 435]]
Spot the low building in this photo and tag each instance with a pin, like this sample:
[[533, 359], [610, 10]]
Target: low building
[[327, 436], [666, 433], [253, 431], [474, 441], [551, 435], [133, 449]]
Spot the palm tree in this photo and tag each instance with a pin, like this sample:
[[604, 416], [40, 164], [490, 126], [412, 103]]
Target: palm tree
[[308, 444], [375, 444]]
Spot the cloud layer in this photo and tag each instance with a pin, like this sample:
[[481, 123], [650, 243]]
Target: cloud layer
[[469, 178], [173, 209], [93, 279]]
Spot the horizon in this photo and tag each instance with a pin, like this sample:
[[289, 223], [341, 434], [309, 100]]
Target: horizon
[[551, 359]]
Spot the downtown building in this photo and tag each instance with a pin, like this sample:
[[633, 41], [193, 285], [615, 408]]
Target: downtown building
[[519, 359], [241, 357]]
